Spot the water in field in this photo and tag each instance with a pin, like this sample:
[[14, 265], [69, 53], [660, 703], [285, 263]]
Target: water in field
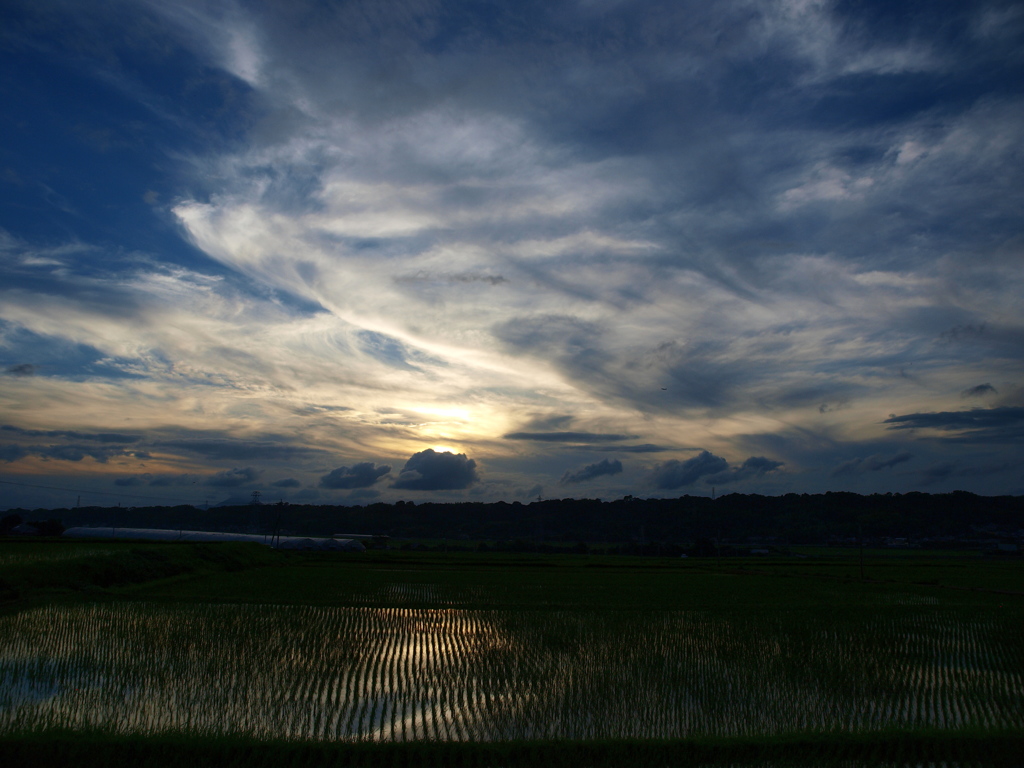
[[454, 674]]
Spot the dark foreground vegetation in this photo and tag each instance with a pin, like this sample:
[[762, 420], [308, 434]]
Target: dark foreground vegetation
[[100, 750]]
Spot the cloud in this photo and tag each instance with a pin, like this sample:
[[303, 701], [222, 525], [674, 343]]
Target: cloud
[[432, 471], [69, 452], [567, 437], [643, 448], [755, 466], [674, 474], [589, 472], [361, 475], [979, 391], [102, 437], [22, 369], [230, 448], [232, 478], [11, 453], [1004, 424], [288, 482], [873, 463]]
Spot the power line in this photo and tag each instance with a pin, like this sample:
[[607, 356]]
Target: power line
[[97, 493]]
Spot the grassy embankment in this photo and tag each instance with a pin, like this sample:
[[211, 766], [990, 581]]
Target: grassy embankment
[[46, 570]]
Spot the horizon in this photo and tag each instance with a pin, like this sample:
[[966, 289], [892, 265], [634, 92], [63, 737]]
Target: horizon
[[389, 250]]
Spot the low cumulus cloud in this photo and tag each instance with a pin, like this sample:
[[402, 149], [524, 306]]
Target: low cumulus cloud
[[874, 463], [288, 482], [755, 466], [432, 471], [232, 478], [678, 474], [24, 369], [589, 472], [361, 475]]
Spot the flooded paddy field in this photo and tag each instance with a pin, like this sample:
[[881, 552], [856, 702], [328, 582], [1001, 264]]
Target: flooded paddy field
[[388, 653]]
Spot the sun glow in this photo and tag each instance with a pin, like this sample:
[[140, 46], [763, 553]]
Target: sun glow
[[444, 449]]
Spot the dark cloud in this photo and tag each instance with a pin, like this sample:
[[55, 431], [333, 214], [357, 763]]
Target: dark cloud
[[129, 482], [589, 472], [73, 452], [432, 471], [979, 391], [12, 453], [643, 448], [24, 369], [233, 449], [1005, 424], [232, 478], [755, 466], [874, 463], [361, 475], [288, 482], [101, 437], [568, 437], [574, 345], [677, 474], [67, 453]]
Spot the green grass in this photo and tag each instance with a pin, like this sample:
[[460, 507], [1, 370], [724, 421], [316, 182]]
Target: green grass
[[99, 749], [51, 570], [604, 583]]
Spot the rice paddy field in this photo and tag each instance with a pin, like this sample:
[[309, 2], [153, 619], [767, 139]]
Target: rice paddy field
[[391, 659]]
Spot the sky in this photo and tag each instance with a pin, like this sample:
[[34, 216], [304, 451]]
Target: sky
[[379, 250]]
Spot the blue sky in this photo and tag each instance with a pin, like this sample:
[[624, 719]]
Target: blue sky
[[357, 251]]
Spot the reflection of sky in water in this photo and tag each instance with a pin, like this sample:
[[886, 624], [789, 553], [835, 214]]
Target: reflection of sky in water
[[452, 674]]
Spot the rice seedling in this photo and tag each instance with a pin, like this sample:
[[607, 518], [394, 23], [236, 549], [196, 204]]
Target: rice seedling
[[395, 674]]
